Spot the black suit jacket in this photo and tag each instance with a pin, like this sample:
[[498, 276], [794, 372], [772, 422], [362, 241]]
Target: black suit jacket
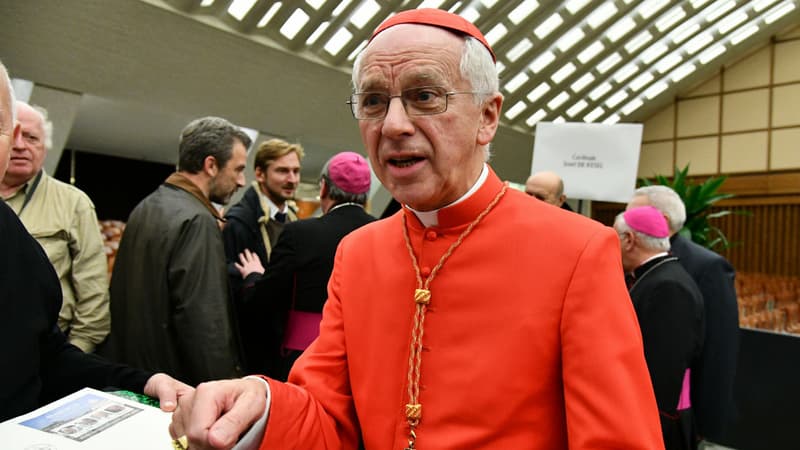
[[712, 382], [669, 307], [297, 274], [39, 364]]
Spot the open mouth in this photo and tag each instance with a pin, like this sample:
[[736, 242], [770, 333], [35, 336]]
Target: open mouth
[[404, 162]]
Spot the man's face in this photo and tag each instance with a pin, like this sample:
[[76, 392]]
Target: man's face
[[28, 153], [542, 192], [429, 161], [279, 181], [230, 177]]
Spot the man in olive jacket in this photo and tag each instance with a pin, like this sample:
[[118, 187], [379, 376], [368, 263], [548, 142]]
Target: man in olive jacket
[[171, 310]]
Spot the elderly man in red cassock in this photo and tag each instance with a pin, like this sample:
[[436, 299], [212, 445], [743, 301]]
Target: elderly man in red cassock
[[475, 317]]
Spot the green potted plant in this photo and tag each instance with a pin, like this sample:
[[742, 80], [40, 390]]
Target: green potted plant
[[699, 198]]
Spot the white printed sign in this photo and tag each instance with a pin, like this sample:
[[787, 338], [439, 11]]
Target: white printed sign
[[596, 161]]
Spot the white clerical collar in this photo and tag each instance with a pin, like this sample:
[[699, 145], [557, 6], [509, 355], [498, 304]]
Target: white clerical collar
[[657, 255], [273, 208], [431, 218]]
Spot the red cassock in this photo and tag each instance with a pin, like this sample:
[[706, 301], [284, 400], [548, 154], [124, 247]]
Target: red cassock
[[530, 339]]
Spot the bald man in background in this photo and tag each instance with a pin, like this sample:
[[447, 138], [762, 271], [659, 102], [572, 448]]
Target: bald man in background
[[548, 187]]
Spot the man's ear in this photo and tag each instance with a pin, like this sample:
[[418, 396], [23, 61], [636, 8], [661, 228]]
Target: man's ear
[[490, 119], [323, 189], [210, 166], [261, 175]]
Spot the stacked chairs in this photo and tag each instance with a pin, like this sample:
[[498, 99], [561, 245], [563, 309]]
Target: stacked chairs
[[112, 233], [769, 302]]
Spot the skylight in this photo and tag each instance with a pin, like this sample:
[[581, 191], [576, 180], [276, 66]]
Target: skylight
[[575, 109], [779, 12], [240, 8], [522, 11], [651, 7], [574, 6], [316, 4], [268, 15], [558, 100], [364, 13], [514, 83], [518, 50], [496, 33], [590, 52], [571, 38], [620, 29], [542, 61], [539, 91], [548, 26], [601, 14], [563, 72], [338, 41], [589, 60], [295, 23], [594, 115], [515, 110], [536, 117]]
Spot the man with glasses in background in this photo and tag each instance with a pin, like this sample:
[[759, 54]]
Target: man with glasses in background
[[62, 219], [458, 322]]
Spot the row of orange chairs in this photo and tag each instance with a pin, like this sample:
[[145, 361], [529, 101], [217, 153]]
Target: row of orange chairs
[[769, 302]]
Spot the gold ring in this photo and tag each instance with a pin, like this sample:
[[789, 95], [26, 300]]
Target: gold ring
[[181, 443]]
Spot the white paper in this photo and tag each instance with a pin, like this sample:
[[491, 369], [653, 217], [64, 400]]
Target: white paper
[[89, 420], [596, 161]]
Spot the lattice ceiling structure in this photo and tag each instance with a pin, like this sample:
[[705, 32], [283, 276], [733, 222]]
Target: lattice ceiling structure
[[577, 60]]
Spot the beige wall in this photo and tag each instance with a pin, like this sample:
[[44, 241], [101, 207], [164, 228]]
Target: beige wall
[[745, 119]]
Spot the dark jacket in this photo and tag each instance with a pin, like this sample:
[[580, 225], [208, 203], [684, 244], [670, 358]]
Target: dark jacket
[[243, 231], [297, 274], [171, 310], [39, 364], [712, 382], [669, 307]]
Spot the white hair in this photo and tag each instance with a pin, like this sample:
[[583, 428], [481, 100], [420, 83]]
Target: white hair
[[47, 125], [666, 200], [645, 240]]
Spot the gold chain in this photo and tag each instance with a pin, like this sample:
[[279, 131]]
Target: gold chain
[[422, 297]]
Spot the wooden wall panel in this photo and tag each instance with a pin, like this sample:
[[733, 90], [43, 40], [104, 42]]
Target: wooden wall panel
[[765, 236]]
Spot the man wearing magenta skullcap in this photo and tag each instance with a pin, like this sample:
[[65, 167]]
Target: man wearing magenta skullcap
[[669, 307], [292, 290], [474, 318]]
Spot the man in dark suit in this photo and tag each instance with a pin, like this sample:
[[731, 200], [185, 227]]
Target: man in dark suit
[[669, 307], [294, 284], [712, 382]]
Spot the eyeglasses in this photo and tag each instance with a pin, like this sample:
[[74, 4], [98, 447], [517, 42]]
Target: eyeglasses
[[421, 101]]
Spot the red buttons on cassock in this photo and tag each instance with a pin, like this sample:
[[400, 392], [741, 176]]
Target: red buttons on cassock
[[431, 235], [425, 271]]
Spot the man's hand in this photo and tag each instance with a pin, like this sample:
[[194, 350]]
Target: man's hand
[[217, 413], [248, 263], [167, 390]]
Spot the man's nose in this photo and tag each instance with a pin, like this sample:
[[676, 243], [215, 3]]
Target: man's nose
[[19, 142], [397, 121]]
